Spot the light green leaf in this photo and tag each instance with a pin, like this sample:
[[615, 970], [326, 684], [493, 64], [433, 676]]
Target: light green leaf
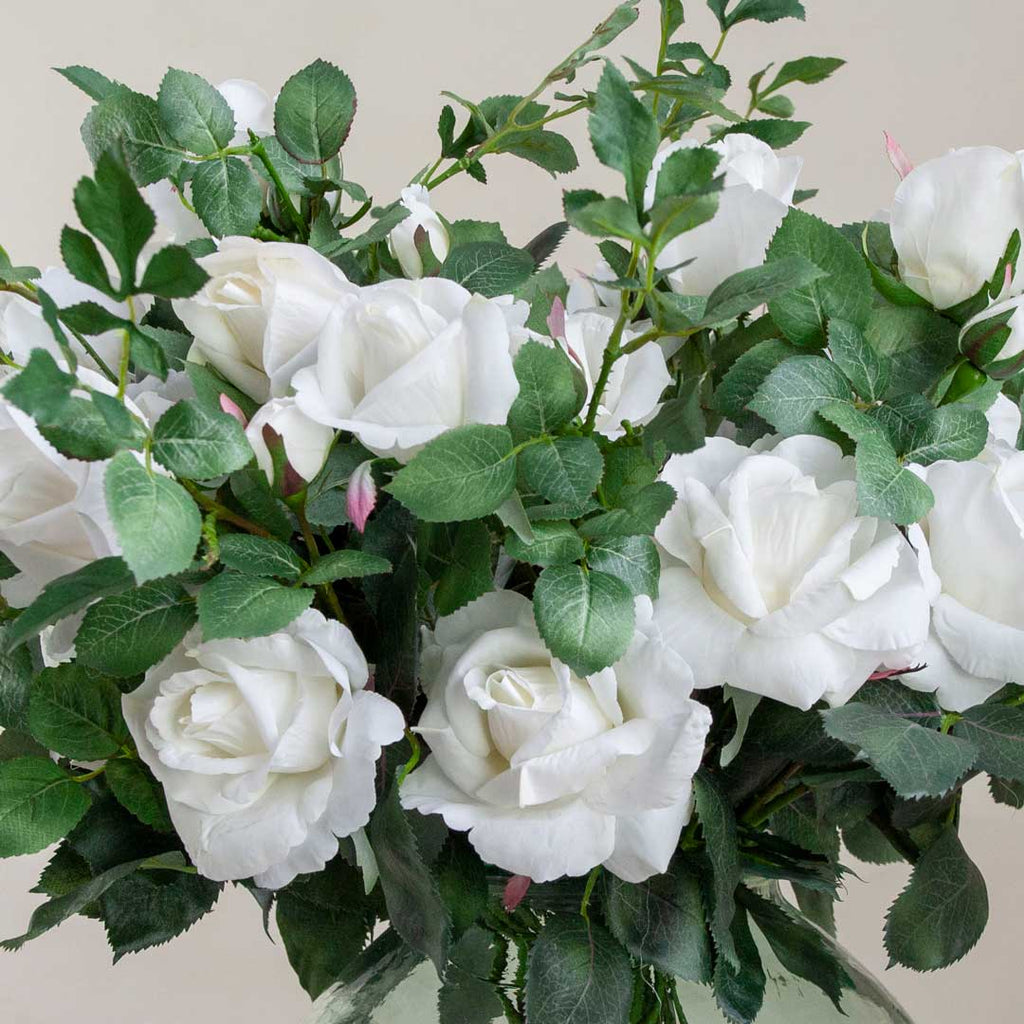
[[348, 564], [647, 507], [197, 444], [156, 521], [606, 217], [172, 273], [466, 473], [259, 556], [227, 197], [488, 268], [885, 488], [198, 117], [548, 397], [567, 469], [719, 824], [868, 370], [91, 82], [586, 618], [751, 288], [236, 605], [125, 634], [791, 395], [554, 543], [998, 733], [634, 560], [809, 70], [469, 574], [16, 672]]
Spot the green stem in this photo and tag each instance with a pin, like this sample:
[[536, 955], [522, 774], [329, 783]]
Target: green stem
[[326, 590], [20, 289], [721, 43], [259, 150], [222, 511], [96, 357], [588, 891], [752, 815], [774, 806], [903, 844], [89, 775], [414, 758]]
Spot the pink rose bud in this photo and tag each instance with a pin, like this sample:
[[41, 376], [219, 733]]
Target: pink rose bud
[[897, 157], [362, 495], [515, 889], [233, 409], [893, 673], [556, 318]]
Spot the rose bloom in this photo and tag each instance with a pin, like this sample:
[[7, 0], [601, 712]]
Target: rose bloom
[[758, 192], [971, 550], [408, 360], [306, 443], [552, 773], [266, 748], [774, 583], [402, 241], [53, 514], [637, 380], [258, 317], [952, 219]]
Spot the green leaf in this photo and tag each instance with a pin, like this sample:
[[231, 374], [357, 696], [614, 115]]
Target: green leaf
[[577, 974], [798, 946], [920, 343], [156, 521], [775, 132], [922, 434], [488, 268], [314, 112], [130, 122], [885, 488], [742, 380], [719, 824], [555, 543], [469, 573], [172, 273], [466, 473], [467, 996], [614, 25], [567, 469], [42, 389], [791, 395], [687, 172], [843, 294], [680, 424], [661, 922], [82, 258], [1008, 792], [60, 908], [623, 133], [112, 210], [739, 990], [865, 842], [252, 491], [15, 679], [634, 560], [606, 217], [341, 565], [77, 713], [777, 106], [149, 908], [647, 507], [868, 370], [227, 197], [756, 10], [92, 83], [586, 618], [259, 556], [940, 915], [323, 923], [998, 733], [414, 904], [553, 152], [751, 288], [137, 791], [68, 594], [678, 214], [548, 397], [197, 444], [39, 804], [914, 760], [236, 605], [124, 634], [195, 114], [809, 70]]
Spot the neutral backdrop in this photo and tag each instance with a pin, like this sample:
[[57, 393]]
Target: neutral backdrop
[[935, 73]]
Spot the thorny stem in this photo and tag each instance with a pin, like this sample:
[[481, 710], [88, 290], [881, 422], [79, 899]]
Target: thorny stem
[[259, 150], [326, 589]]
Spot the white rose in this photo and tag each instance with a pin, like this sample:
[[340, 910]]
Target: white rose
[[588, 294], [176, 224], [409, 360], [266, 748], [256, 320], [952, 219], [306, 443], [402, 241], [53, 514], [252, 108], [780, 588], [22, 327], [1004, 421], [637, 380], [553, 774], [153, 396], [759, 187], [971, 549]]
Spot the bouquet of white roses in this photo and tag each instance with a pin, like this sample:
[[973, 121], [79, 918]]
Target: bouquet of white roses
[[470, 616]]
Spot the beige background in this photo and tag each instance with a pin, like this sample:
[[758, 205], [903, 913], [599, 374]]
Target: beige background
[[936, 73]]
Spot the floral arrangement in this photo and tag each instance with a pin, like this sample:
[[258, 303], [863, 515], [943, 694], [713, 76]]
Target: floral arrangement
[[467, 615]]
